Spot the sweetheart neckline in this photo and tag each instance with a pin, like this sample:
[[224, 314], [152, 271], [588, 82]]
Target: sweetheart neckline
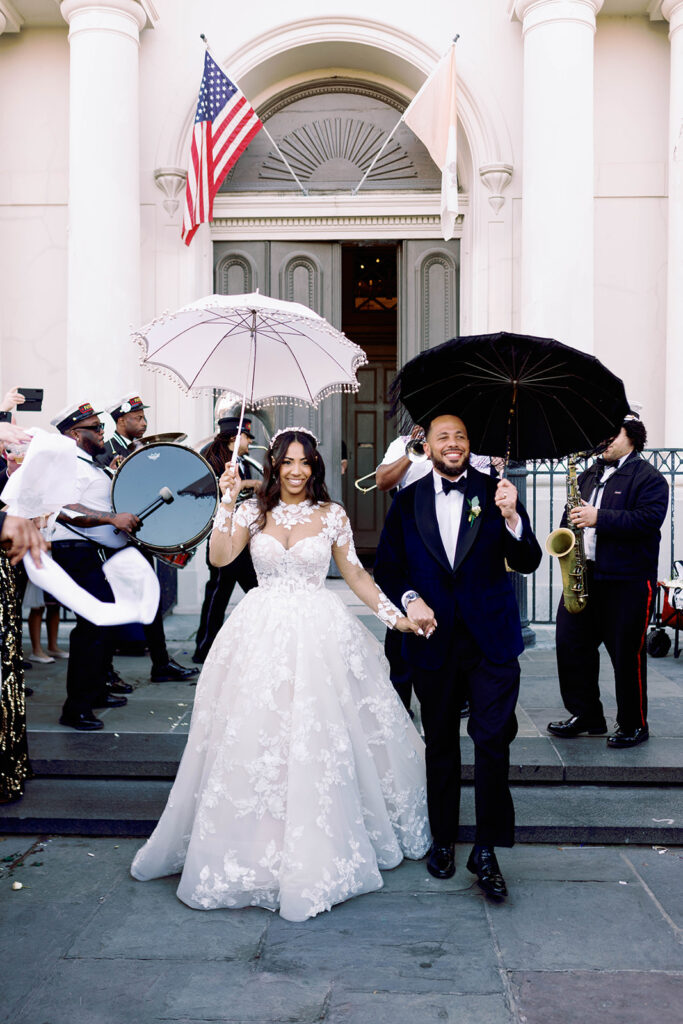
[[291, 547]]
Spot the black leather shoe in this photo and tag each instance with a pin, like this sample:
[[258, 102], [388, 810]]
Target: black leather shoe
[[172, 672], [84, 722], [198, 659], [628, 739], [441, 861], [109, 700], [575, 725], [482, 863], [115, 683]]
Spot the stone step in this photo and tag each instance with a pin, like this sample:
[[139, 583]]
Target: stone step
[[545, 813], [540, 759]]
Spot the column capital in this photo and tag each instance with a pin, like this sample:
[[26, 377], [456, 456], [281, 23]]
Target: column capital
[[10, 19], [672, 10], [125, 16], [533, 13]]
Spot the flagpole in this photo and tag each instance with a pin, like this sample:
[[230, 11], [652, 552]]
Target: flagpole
[[394, 129], [274, 143], [285, 160], [377, 155]]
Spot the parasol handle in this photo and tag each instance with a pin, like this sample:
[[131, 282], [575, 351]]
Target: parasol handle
[[250, 364]]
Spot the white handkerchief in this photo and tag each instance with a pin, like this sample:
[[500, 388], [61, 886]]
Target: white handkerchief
[[46, 479], [131, 578]]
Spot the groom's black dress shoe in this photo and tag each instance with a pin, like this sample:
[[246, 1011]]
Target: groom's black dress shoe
[[441, 861], [482, 863], [575, 725]]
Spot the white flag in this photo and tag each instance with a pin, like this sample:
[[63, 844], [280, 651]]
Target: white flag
[[432, 116]]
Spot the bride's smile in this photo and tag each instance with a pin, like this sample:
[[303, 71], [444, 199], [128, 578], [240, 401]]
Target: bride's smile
[[295, 472]]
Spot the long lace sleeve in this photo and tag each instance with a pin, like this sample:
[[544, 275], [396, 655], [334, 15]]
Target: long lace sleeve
[[232, 530], [338, 529]]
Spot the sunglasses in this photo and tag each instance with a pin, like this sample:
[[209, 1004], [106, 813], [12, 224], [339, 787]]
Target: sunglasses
[[96, 427]]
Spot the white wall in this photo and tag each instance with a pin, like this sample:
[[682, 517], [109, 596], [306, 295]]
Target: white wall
[[34, 74], [631, 111]]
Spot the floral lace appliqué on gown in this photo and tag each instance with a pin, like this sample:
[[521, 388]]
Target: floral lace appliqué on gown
[[303, 776]]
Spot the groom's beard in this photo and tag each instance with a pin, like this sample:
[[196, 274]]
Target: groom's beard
[[449, 471]]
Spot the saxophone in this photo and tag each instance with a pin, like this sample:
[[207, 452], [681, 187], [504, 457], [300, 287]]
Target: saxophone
[[566, 543]]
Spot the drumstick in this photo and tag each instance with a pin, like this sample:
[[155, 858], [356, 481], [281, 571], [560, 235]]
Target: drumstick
[[165, 498]]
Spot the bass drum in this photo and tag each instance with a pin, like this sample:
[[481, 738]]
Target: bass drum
[[144, 484]]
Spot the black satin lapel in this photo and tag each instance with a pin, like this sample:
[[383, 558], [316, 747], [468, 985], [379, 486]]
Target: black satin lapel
[[425, 517], [468, 531]]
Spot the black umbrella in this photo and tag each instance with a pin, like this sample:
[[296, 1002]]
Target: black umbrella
[[521, 397]]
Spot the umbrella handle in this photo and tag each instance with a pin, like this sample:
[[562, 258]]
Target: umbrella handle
[[511, 413]]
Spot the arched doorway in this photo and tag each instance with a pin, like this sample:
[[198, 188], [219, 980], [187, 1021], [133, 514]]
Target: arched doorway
[[329, 131]]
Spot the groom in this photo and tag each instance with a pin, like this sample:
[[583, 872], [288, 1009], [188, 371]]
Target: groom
[[442, 557]]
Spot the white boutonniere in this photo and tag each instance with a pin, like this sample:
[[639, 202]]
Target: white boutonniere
[[475, 509]]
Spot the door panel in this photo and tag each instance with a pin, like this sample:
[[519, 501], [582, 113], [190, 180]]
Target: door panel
[[368, 433], [429, 278]]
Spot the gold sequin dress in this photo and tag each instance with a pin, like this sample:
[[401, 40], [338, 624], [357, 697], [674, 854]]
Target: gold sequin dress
[[14, 762]]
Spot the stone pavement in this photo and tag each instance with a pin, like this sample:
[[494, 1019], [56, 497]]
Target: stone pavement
[[587, 934]]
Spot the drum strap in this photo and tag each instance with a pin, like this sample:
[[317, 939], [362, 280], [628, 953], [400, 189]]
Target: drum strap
[[96, 465]]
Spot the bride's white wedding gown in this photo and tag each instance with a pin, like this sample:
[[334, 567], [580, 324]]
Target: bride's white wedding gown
[[303, 776]]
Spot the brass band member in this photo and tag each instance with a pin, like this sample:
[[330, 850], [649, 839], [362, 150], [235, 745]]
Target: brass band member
[[221, 581], [625, 500]]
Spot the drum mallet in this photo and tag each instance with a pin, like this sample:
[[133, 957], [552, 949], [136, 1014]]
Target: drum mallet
[[165, 498]]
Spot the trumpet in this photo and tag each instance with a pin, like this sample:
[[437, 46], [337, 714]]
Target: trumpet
[[415, 449], [358, 484]]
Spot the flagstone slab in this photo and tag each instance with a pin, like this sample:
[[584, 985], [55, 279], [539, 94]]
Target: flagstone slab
[[597, 926], [576, 997]]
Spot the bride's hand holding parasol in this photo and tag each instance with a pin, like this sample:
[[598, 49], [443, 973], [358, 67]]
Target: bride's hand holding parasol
[[230, 483]]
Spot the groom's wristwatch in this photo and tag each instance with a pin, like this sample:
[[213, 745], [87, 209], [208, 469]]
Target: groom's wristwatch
[[410, 595]]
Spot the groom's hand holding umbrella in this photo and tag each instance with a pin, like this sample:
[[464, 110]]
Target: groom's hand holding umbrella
[[506, 500]]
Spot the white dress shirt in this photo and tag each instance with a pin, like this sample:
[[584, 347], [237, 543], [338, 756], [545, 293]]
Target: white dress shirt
[[449, 515], [589, 537], [93, 490]]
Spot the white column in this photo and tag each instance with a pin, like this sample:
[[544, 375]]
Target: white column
[[557, 184], [104, 197], [673, 423]]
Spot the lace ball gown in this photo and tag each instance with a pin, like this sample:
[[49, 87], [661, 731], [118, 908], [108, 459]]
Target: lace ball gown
[[303, 776]]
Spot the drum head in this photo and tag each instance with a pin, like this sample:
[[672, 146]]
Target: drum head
[[184, 522]]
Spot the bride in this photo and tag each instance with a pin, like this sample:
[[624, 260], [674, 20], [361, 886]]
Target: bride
[[303, 775]]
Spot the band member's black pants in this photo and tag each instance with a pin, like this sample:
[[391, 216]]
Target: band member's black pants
[[492, 690], [89, 644], [217, 594], [154, 631], [617, 614]]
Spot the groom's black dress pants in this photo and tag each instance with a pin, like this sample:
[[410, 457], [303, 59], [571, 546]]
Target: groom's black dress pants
[[492, 690]]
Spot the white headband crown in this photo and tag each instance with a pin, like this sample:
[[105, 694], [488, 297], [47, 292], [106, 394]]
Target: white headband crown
[[293, 430]]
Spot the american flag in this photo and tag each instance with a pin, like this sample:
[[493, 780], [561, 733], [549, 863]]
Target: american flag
[[224, 125]]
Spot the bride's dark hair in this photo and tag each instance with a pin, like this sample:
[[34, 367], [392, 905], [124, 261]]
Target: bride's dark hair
[[269, 494]]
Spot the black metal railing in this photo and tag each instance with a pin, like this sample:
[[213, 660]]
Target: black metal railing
[[542, 487]]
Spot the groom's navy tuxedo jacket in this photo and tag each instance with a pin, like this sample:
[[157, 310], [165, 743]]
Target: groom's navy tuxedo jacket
[[477, 590]]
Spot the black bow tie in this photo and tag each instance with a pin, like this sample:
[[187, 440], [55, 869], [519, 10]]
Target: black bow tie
[[454, 485]]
